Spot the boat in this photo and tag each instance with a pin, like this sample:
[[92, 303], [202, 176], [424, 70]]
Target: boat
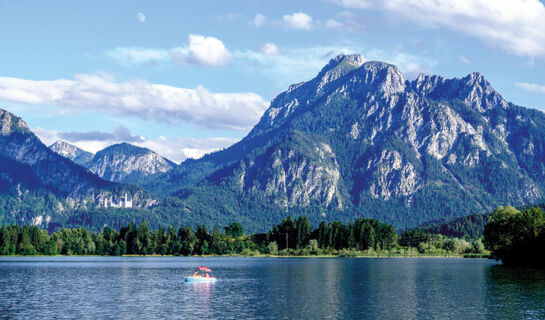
[[201, 274]]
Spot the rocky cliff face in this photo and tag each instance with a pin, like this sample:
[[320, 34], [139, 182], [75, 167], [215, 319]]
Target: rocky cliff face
[[127, 163], [360, 136], [72, 152]]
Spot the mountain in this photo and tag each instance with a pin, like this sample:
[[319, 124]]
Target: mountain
[[361, 140], [37, 184], [127, 163], [72, 152], [118, 163]]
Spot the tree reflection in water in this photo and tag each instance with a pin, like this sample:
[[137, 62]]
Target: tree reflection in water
[[514, 292]]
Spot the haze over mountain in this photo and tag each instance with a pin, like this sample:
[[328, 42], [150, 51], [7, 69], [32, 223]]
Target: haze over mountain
[[362, 140]]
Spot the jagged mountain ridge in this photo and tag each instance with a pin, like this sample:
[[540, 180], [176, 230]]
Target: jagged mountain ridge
[[361, 138], [67, 150]]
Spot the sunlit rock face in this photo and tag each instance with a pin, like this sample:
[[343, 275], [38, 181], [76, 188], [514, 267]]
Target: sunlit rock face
[[360, 135], [127, 163], [72, 152]]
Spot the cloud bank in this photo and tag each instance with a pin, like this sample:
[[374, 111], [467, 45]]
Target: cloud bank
[[141, 99], [517, 26]]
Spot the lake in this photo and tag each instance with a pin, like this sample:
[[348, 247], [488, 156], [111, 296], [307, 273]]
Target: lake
[[263, 288]]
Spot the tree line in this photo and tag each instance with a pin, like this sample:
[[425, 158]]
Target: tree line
[[290, 237]]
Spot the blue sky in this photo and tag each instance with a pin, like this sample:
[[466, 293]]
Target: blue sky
[[187, 77]]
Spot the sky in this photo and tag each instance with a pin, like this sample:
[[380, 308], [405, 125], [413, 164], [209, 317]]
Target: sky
[[184, 78]]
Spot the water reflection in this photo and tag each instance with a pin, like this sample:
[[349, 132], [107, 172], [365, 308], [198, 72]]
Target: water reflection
[[515, 292], [201, 296]]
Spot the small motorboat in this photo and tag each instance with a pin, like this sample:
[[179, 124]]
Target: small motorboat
[[201, 274]]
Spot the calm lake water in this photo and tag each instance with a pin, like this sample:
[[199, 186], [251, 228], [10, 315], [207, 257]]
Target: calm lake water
[[133, 287]]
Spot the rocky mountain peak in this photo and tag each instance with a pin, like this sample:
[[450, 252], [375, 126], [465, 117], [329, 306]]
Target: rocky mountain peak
[[65, 149], [71, 152], [125, 162], [381, 77], [343, 62], [10, 123], [474, 90], [338, 67]]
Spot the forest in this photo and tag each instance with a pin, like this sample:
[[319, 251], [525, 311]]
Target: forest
[[292, 237]]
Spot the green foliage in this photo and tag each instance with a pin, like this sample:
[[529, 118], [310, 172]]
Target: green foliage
[[272, 248], [290, 237], [516, 237], [234, 230], [469, 227]]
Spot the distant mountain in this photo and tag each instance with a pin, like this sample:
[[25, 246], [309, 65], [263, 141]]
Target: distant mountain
[[37, 184], [72, 152], [361, 140], [127, 163], [121, 162]]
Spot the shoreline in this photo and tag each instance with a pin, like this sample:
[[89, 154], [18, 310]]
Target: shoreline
[[483, 256]]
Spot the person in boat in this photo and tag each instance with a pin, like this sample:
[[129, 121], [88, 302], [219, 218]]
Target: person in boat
[[196, 274], [206, 275]]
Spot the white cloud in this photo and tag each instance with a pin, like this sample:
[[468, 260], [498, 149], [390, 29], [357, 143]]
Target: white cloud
[[355, 4], [531, 87], [207, 51], [259, 20], [139, 98], [517, 26], [141, 17], [204, 51], [464, 59], [269, 49], [176, 149], [298, 20]]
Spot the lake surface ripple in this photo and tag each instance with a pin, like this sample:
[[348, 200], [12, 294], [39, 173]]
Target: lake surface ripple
[[268, 288]]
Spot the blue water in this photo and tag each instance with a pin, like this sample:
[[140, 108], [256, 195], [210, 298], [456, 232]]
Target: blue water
[[132, 288]]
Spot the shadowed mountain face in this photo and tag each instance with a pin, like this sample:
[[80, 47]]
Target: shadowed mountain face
[[361, 140]]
